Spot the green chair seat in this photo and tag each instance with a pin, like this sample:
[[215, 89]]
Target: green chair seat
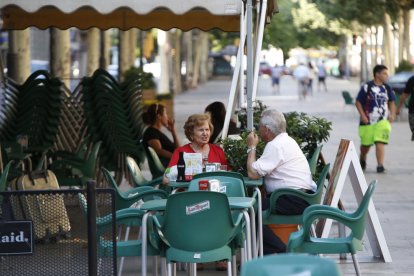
[[301, 241], [290, 265]]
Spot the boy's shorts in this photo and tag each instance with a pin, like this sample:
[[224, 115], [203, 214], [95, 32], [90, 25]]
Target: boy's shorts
[[378, 132]]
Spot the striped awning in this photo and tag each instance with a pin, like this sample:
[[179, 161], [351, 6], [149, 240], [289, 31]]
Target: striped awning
[[124, 14]]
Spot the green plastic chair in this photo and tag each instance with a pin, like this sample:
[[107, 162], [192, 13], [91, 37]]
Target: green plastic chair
[[301, 241], [313, 161], [126, 199], [198, 227], [290, 265], [234, 185], [348, 98], [137, 176], [129, 217], [70, 172], [78, 155], [269, 215], [3, 180], [156, 167]]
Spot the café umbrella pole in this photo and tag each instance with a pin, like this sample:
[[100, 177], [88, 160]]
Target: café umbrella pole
[[249, 77]]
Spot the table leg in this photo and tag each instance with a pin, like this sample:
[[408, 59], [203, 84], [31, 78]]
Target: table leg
[[248, 235], [260, 221], [253, 227]]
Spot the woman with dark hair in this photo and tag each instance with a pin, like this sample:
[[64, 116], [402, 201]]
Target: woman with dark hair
[[217, 112], [156, 117]]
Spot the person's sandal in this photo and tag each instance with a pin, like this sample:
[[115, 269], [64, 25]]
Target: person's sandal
[[221, 266]]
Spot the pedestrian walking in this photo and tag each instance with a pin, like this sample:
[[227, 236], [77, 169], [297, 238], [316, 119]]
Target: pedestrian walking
[[311, 77], [375, 104], [322, 76], [277, 72], [409, 90], [301, 74]]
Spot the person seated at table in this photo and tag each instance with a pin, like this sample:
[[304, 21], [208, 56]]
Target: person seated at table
[[217, 112], [156, 117], [197, 129], [283, 165]]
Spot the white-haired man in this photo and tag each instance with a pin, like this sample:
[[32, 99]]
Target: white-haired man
[[283, 165]]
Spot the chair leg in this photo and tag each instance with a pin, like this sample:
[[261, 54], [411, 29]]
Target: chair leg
[[169, 269], [155, 266], [163, 266], [174, 269], [242, 256], [356, 264], [121, 263], [234, 265]]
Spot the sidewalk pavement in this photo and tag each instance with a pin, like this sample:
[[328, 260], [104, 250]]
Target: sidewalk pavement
[[393, 197]]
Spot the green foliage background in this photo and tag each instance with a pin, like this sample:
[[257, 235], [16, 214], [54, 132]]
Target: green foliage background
[[308, 131]]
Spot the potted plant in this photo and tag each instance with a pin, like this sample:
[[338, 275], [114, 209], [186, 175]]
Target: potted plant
[[308, 131], [146, 80]]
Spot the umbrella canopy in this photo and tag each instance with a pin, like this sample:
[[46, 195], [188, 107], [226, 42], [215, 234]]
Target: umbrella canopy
[[125, 14]]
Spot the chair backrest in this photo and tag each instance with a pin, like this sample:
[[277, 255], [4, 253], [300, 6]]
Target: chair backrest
[[320, 183], [313, 161], [90, 164], [219, 173], [156, 167], [111, 181], [347, 97], [233, 185], [135, 171], [290, 265], [3, 179], [198, 221]]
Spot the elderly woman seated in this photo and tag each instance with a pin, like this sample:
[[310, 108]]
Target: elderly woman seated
[[198, 129]]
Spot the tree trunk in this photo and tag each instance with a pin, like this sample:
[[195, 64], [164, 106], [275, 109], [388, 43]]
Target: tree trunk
[[204, 58], [400, 36], [133, 39], [375, 45], [364, 65], [197, 60], [406, 35], [163, 49], [60, 55], [18, 58], [177, 62], [387, 45], [123, 53], [188, 43], [107, 50], [92, 45]]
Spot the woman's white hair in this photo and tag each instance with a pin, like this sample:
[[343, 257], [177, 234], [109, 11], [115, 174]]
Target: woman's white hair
[[274, 120]]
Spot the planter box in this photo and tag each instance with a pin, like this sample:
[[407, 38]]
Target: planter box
[[283, 231]]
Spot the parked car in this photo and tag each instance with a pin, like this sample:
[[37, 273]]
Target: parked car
[[265, 68], [399, 80]]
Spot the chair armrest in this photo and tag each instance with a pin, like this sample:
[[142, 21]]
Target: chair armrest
[[128, 216], [237, 217], [153, 182], [286, 191], [327, 212]]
